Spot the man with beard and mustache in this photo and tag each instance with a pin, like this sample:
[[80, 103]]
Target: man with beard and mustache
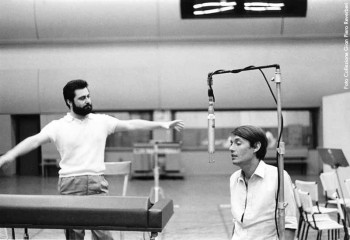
[[80, 138]]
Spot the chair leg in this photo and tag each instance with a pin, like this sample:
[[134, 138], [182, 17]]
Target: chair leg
[[329, 234], [319, 235], [26, 235], [337, 234], [13, 234], [346, 217], [302, 231], [66, 233], [307, 232], [153, 235], [299, 227]]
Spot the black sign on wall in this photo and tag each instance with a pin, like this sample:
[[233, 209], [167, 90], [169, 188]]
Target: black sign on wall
[[197, 9]]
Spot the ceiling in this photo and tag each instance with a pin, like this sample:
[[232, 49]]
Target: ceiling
[[155, 20]]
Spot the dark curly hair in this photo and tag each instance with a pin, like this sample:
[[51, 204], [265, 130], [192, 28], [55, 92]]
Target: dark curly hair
[[71, 86]]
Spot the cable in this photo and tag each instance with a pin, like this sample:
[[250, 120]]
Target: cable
[[210, 84], [277, 154]]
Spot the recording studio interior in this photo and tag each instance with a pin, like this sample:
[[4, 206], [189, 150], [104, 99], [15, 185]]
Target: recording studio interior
[[279, 65]]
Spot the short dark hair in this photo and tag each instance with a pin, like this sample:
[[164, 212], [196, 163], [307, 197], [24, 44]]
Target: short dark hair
[[253, 135], [71, 86]]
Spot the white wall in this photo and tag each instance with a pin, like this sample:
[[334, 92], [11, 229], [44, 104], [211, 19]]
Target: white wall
[[336, 129], [167, 75], [6, 140]]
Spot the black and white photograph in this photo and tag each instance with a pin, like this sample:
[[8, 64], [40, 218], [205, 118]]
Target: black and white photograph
[[174, 119]]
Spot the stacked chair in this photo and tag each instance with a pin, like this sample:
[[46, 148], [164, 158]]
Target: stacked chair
[[346, 227], [332, 189], [334, 194], [312, 214], [342, 218], [312, 188]]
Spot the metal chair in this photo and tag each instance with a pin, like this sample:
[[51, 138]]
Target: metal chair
[[119, 169], [317, 223], [312, 188], [301, 223], [342, 218], [332, 189]]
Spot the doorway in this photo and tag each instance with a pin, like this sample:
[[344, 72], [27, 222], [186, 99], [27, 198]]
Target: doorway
[[26, 126]]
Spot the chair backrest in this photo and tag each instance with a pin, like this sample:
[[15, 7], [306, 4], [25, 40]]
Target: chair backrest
[[347, 185], [330, 184], [340, 210], [119, 168], [296, 196], [306, 201], [309, 187]]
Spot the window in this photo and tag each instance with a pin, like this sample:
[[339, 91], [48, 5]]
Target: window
[[127, 139], [297, 132]]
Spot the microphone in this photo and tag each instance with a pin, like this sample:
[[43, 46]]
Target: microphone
[[211, 120], [211, 130]]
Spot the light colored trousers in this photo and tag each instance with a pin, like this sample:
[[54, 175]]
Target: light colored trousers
[[84, 185]]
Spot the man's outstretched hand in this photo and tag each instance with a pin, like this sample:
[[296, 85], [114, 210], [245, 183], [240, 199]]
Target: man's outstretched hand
[[178, 125]]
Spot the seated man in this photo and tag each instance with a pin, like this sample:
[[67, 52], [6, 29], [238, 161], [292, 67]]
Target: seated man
[[254, 189]]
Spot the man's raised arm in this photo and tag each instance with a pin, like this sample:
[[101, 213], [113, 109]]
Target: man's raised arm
[[24, 147], [138, 124]]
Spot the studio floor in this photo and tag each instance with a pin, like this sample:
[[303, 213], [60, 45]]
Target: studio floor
[[201, 205]]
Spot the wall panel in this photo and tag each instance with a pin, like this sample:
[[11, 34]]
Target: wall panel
[[336, 130], [17, 20], [323, 19], [110, 89], [7, 138], [19, 91], [5, 133], [171, 75], [310, 70]]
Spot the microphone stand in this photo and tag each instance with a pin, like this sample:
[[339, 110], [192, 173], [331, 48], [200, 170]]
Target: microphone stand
[[281, 205]]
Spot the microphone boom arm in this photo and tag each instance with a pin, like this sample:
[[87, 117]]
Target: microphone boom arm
[[210, 79], [281, 205]]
